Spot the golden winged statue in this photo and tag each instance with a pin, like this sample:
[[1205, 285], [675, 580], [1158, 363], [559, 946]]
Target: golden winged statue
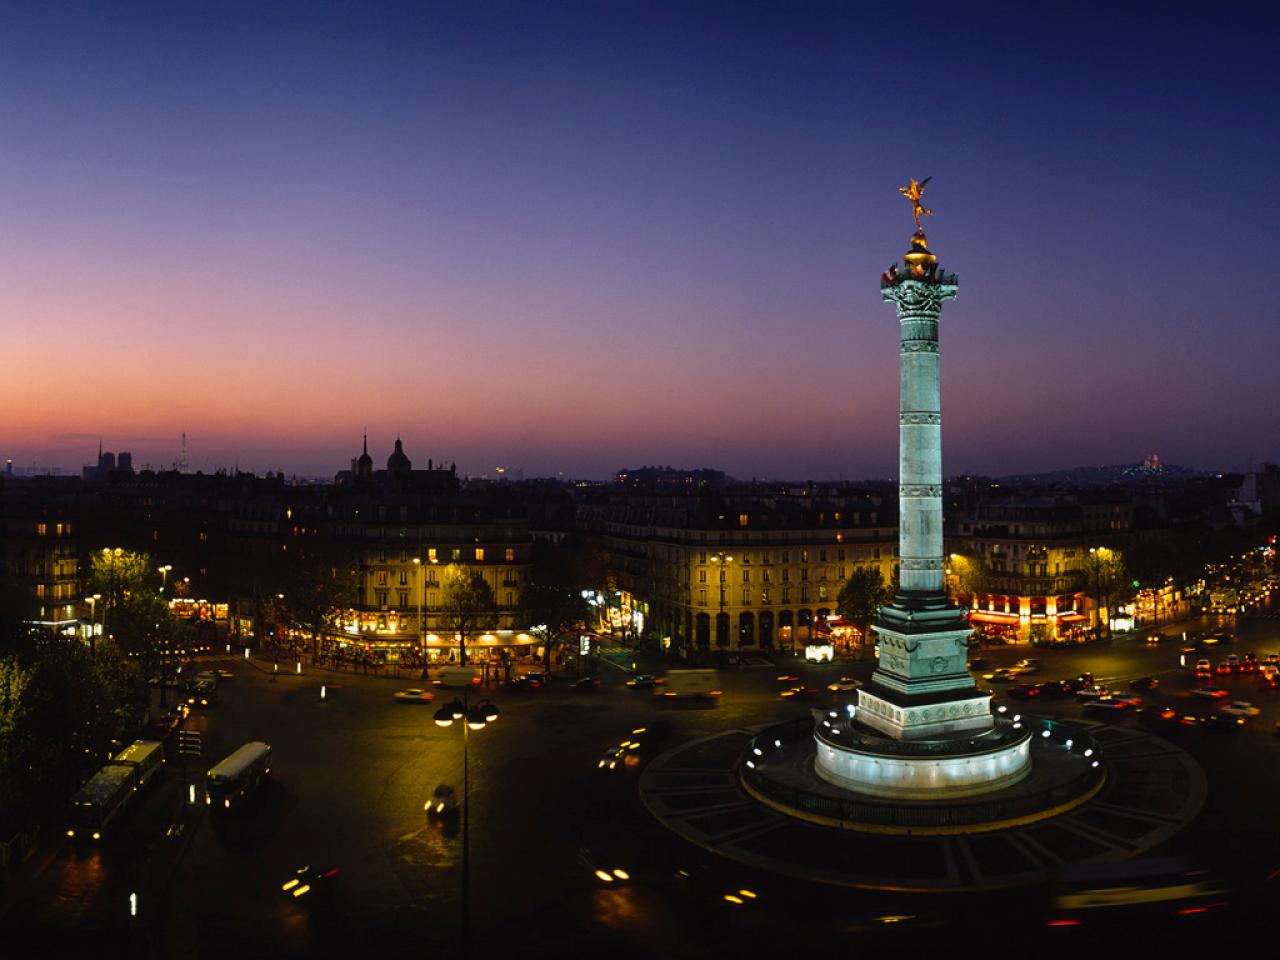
[[913, 193]]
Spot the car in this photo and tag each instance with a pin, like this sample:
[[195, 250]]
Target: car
[[1072, 685], [442, 803], [1272, 658], [1223, 668], [1233, 663], [1205, 674], [306, 880], [414, 695], [1057, 688], [844, 685], [648, 737], [584, 683], [1154, 638], [521, 685], [1203, 664], [1144, 683], [1108, 705], [976, 663], [789, 678], [175, 830], [204, 695], [1002, 675], [225, 674], [612, 758], [643, 680], [1240, 708], [1223, 722], [799, 693], [1248, 663], [1025, 691], [1092, 692], [1028, 665], [538, 678], [1213, 693]]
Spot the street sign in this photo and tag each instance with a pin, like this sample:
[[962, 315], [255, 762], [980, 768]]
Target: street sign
[[190, 743]]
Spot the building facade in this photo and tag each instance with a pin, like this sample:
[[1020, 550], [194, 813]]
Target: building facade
[[742, 570]]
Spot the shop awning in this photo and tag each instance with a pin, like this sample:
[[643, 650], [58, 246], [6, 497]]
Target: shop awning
[[992, 616], [1072, 617]]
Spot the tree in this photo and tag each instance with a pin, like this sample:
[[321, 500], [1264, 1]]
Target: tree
[[468, 605], [318, 581], [116, 574], [553, 598], [970, 573], [1107, 575], [144, 628], [860, 598]]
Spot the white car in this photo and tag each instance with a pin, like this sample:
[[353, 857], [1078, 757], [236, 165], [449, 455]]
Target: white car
[[415, 695], [1092, 693], [1240, 708]]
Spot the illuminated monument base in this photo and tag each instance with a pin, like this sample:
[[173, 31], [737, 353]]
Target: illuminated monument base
[[856, 760]]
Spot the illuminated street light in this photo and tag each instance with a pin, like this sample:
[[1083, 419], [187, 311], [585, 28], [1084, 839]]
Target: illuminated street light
[[477, 717], [164, 575]]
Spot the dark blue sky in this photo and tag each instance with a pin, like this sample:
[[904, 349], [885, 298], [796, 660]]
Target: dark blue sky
[[575, 236]]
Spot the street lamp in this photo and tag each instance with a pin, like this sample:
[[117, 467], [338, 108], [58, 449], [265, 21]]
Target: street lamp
[[93, 607], [476, 718], [164, 575], [724, 559]]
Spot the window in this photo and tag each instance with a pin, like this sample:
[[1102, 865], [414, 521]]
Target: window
[[58, 530], [40, 586], [746, 597], [431, 596], [382, 578], [404, 598], [382, 599], [702, 596], [455, 554], [804, 573], [764, 557], [431, 555], [840, 555], [786, 594], [765, 576], [511, 599], [804, 594], [742, 519], [822, 593], [480, 554], [702, 558], [764, 596], [702, 576], [404, 554], [204, 536], [746, 576], [786, 575], [42, 529], [511, 555], [746, 556], [382, 556], [404, 577], [822, 556], [786, 556]]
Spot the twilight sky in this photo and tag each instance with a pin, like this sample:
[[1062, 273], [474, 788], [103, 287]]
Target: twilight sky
[[570, 237]]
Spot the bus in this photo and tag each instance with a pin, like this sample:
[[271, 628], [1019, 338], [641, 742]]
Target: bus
[[96, 803], [236, 777], [1127, 892], [144, 756]]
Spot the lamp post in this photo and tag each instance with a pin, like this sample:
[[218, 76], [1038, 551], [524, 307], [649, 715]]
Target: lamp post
[[476, 718], [164, 575], [93, 609], [724, 559]]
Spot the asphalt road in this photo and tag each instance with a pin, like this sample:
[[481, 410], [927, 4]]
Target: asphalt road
[[351, 773]]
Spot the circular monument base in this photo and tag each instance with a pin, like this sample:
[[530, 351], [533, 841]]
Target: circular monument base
[[858, 759]]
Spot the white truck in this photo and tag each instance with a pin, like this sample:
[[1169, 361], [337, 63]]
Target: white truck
[[689, 685]]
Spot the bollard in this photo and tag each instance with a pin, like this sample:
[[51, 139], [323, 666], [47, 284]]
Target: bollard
[[299, 666], [133, 904], [275, 668], [246, 653], [322, 691], [191, 794]]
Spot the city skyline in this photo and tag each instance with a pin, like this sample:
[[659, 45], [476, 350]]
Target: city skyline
[[569, 240]]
